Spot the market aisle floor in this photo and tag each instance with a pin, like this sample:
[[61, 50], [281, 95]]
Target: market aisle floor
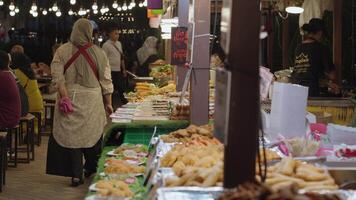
[[29, 182]]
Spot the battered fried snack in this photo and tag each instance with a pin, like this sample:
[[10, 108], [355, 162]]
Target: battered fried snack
[[185, 135], [197, 176], [114, 188], [138, 148], [123, 168], [303, 175]]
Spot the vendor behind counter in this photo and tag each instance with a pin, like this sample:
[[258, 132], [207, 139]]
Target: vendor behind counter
[[313, 62]]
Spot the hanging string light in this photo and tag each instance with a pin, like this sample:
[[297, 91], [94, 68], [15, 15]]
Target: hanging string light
[[17, 10], [119, 9], [102, 10], [12, 6], [35, 14], [1, 3], [95, 12], [94, 6], [82, 12], [124, 7], [73, 2], [44, 12], [115, 5], [133, 3], [140, 5], [55, 8], [33, 6], [70, 12], [12, 13], [58, 13], [145, 3]]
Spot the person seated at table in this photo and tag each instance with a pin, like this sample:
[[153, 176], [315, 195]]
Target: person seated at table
[[10, 103], [21, 64]]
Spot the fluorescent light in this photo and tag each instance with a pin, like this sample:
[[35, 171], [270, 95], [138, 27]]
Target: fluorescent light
[[294, 9]]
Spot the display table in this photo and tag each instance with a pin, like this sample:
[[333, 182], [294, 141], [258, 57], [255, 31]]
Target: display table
[[140, 132]]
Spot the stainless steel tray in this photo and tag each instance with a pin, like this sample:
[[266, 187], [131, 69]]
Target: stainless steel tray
[[189, 193]]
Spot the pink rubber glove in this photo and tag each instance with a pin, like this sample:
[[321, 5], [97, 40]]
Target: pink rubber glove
[[65, 106]]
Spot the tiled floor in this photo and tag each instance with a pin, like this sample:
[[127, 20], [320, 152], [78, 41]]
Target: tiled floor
[[29, 182]]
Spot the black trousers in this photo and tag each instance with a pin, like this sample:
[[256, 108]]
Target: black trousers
[[119, 82], [68, 162]]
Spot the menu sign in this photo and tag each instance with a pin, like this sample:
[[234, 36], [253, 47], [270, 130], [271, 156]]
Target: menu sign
[[179, 46]]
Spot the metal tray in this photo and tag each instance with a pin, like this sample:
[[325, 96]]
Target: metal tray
[[189, 193]]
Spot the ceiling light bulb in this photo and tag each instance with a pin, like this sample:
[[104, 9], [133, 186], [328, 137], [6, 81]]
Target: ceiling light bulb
[[133, 3], [12, 6], [55, 7], [73, 2], [32, 11], [44, 12], [102, 10], [17, 10], [1, 3], [294, 9], [145, 3], [50, 9], [115, 5], [129, 7], [140, 5], [70, 12], [35, 14], [124, 7], [94, 6], [95, 12], [34, 6], [58, 13], [107, 9], [119, 9], [12, 13]]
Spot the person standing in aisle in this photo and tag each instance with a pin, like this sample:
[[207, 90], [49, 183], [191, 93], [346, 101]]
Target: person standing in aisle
[[113, 49], [146, 55], [10, 103], [313, 60], [82, 76]]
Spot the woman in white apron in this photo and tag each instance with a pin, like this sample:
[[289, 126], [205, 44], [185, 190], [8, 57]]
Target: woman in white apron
[[81, 73]]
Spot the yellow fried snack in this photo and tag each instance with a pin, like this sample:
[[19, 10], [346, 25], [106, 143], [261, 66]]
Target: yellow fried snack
[[185, 135], [114, 188], [304, 175], [124, 168]]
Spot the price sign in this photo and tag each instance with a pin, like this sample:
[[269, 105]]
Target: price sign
[[179, 46]]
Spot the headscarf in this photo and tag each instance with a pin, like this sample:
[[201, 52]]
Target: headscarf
[[81, 35], [22, 62], [148, 49]]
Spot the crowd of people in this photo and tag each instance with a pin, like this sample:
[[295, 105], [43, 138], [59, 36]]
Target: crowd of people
[[85, 77]]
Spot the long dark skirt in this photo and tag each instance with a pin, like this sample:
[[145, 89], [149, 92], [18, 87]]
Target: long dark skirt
[[68, 162]]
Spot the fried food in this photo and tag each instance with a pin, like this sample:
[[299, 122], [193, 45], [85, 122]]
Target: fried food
[[114, 188], [123, 168], [303, 175], [182, 156], [270, 155], [138, 148], [198, 176], [199, 133]]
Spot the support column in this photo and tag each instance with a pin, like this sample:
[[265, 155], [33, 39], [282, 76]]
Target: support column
[[337, 37], [199, 84], [240, 39], [183, 14]]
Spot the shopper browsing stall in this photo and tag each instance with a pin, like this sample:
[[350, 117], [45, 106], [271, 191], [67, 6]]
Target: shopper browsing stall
[[313, 60], [113, 50], [146, 55], [82, 75]]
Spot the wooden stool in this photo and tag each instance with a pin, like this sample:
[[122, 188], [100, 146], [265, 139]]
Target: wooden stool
[[38, 116], [29, 121], [49, 115], [3, 159], [12, 150]]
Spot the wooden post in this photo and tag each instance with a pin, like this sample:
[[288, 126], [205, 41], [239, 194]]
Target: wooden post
[[337, 37], [240, 39], [199, 84]]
